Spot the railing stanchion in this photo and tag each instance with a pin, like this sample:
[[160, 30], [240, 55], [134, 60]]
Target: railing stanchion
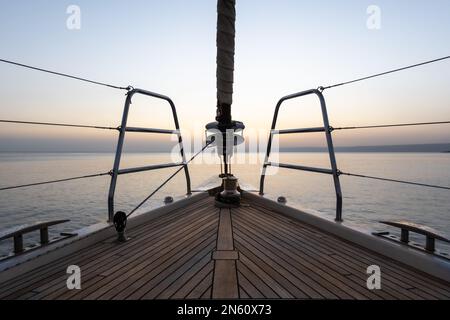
[[114, 172], [123, 129], [326, 128]]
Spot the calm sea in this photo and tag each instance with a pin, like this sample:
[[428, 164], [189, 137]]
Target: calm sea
[[366, 202]]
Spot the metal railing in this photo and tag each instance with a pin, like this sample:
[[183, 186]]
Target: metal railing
[[326, 128], [116, 171]]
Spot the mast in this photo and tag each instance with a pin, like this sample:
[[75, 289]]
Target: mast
[[225, 132], [226, 18]]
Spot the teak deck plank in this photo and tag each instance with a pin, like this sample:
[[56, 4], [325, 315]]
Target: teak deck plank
[[282, 276], [250, 290], [194, 282], [330, 263], [318, 261], [163, 280], [309, 270], [256, 281], [133, 274], [203, 289], [118, 265], [400, 274], [225, 283], [296, 272], [201, 252], [345, 249], [43, 274], [162, 244], [225, 234]]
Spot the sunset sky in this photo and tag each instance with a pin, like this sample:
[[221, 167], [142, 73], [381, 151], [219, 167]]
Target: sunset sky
[[169, 47]]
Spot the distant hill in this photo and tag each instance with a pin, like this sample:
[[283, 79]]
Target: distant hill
[[437, 147]]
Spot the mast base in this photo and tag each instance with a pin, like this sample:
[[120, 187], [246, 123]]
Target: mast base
[[230, 197]]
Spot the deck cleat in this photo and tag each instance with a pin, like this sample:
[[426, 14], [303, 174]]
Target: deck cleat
[[120, 223]]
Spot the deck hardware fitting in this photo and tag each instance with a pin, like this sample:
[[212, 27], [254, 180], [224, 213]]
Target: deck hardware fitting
[[168, 200], [230, 197], [282, 200], [120, 223]]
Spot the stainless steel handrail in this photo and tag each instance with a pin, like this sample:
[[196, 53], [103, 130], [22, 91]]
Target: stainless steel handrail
[[326, 128], [123, 128]]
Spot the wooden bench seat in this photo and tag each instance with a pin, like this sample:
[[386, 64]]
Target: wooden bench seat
[[17, 232], [430, 233]]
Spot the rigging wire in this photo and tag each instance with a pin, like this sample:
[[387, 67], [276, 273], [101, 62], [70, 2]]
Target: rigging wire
[[392, 125], [169, 178], [65, 75], [58, 124], [394, 180], [383, 73], [56, 181]]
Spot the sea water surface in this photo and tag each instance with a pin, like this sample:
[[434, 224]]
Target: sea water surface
[[84, 202]]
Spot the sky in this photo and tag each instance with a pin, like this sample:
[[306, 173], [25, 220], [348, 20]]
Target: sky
[[168, 47]]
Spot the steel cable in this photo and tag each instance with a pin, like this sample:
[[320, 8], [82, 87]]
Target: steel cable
[[55, 181], [394, 180], [168, 179], [64, 75], [383, 73]]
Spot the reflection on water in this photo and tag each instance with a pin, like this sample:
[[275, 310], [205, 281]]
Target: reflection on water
[[365, 201]]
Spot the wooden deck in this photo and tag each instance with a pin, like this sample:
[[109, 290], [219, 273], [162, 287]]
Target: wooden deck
[[205, 252]]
